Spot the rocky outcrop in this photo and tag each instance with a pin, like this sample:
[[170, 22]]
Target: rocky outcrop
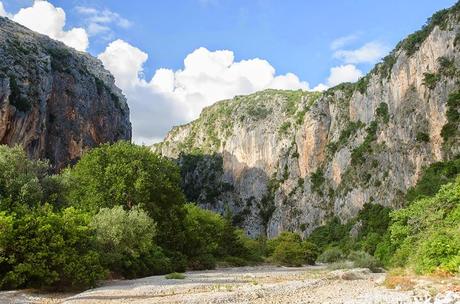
[[55, 101], [290, 160]]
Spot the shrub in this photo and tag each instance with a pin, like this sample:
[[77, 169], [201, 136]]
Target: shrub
[[412, 43], [310, 252], [288, 254], [284, 128], [450, 129], [358, 154], [382, 112], [447, 67], [331, 234], [363, 259], [317, 180], [424, 236], [433, 177], [44, 248], [231, 261], [202, 262], [331, 255], [439, 251], [430, 80], [126, 242], [362, 84], [422, 137], [175, 276], [23, 182], [288, 249], [203, 231]]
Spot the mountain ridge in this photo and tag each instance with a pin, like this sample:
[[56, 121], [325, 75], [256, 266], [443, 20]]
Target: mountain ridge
[[290, 160]]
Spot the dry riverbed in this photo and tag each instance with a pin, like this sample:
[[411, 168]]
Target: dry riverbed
[[261, 284]]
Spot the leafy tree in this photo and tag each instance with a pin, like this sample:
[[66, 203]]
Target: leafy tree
[[203, 230], [126, 242], [22, 181], [44, 248], [288, 249], [128, 175]]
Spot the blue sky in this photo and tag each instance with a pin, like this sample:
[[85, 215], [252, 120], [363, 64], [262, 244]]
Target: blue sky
[[292, 36]]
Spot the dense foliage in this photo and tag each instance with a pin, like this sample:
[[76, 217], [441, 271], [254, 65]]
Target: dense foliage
[[119, 212], [424, 236], [128, 175]]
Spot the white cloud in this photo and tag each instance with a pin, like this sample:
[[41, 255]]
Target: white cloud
[[340, 74], [371, 52], [343, 73], [46, 19], [342, 41], [98, 21], [173, 97]]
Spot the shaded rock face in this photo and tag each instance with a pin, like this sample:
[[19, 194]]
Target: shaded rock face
[[290, 160], [55, 101]]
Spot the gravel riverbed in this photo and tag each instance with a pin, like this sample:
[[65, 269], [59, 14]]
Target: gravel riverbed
[[261, 284]]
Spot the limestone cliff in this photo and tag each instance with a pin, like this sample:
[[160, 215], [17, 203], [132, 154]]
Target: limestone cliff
[[289, 160], [55, 101]]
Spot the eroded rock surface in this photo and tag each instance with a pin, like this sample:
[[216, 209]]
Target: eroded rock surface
[[290, 160], [55, 101]]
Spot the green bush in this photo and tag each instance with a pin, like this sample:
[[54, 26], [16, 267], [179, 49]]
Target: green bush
[[450, 129], [202, 262], [231, 261], [331, 255], [422, 137], [175, 276], [424, 236], [310, 252], [439, 251], [126, 242], [433, 177], [363, 259], [358, 154], [317, 180], [382, 112], [44, 248], [430, 80], [203, 231], [23, 182], [288, 254], [288, 249], [331, 234]]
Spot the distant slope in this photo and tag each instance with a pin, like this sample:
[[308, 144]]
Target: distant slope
[[283, 160], [55, 101]]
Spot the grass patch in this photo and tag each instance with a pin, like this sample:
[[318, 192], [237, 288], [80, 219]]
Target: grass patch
[[175, 276], [401, 282]]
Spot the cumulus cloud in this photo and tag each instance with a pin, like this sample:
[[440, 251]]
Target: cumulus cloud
[[371, 52], [46, 19], [98, 22], [343, 73], [338, 75], [173, 97]]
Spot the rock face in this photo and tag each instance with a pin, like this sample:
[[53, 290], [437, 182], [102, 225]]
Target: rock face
[[55, 101], [290, 160]]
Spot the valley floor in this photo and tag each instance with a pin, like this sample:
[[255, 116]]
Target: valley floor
[[261, 284]]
